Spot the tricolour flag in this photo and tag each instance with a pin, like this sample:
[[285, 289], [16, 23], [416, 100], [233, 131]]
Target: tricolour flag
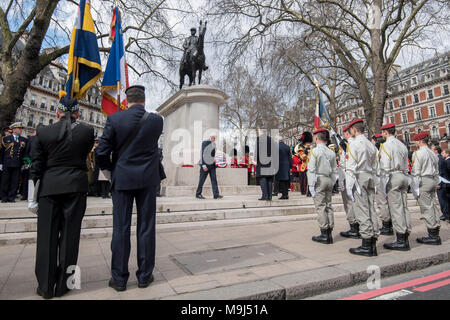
[[84, 66], [321, 117], [115, 80]]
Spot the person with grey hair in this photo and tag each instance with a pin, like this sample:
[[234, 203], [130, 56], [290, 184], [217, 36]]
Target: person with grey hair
[[58, 162]]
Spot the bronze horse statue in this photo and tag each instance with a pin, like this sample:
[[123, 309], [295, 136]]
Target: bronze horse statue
[[193, 59]]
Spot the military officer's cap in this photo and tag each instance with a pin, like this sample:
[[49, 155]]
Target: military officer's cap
[[319, 130], [67, 104], [377, 135], [420, 136], [135, 89], [16, 125], [354, 122], [388, 126]]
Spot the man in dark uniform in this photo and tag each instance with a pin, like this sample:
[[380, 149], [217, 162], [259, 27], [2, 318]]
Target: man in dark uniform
[[12, 154], [208, 166], [136, 173], [282, 175], [266, 162], [58, 161]]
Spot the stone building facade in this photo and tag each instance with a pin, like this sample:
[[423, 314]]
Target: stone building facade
[[41, 100], [418, 100]]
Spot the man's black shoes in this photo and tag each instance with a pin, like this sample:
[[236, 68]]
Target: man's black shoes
[[145, 284], [218, 197], [115, 286], [43, 294], [200, 197]]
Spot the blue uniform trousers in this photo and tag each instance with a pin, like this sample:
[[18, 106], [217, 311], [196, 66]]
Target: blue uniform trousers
[[145, 232]]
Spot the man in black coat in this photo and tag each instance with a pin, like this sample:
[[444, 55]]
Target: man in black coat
[[208, 166], [282, 176], [136, 173], [444, 185], [59, 162], [266, 163], [12, 154]]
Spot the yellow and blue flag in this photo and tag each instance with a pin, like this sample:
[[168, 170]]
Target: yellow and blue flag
[[84, 66]]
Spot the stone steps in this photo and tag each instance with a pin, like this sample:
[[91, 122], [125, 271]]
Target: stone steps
[[24, 232], [186, 191]]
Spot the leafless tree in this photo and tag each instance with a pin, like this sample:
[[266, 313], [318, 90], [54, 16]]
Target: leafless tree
[[366, 36], [35, 34]]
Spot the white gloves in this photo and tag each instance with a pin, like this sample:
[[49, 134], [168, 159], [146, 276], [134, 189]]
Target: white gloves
[[1, 167], [107, 174], [33, 205], [312, 191], [341, 185], [350, 194]]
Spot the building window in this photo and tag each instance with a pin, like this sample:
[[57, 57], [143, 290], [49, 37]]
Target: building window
[[30, 121], [52, 106], [447, 108], [406, 135], [434, 132], [33, 100], [430, 94], [391, 105], [414, 81], [43, 103], [50, 121], [446, 90], [432, 112], [91, 117], [404, 118], [41, 120], [41, 80], [403, 102], [392, 119], [418, 115], [416, 98]]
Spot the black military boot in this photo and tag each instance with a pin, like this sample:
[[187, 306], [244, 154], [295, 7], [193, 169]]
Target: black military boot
[[365, 249], [400, 244], [433, 237], [324, 237], [374, 246], [330, 236], [387, 230], [353, 232]]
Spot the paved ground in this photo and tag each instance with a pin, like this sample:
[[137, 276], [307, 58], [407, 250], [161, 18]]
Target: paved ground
[[289, 240], [429, 284]]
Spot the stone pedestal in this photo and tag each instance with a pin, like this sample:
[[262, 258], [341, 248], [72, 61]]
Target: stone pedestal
[[190, 116]]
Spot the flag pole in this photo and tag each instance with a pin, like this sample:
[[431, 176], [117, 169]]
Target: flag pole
[[118, 82]]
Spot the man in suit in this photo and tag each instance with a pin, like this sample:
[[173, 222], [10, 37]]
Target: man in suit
[[136, 174], [441, 188], [12, 154], [266, 163], [59, 162], [208, 166], [445, 183], [285, 158]]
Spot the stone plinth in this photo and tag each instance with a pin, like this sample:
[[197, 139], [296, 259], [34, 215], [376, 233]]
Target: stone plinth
[[190, 116]]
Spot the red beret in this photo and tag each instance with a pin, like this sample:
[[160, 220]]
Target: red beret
[[420, 136], [378, 135], [345, 129], [319, 130], [355, 121], [388, 126]]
